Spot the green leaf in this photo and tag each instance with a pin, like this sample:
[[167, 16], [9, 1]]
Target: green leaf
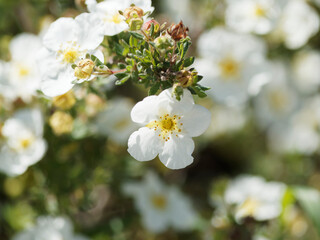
[[154, 89], [123, 80], [137, 35], [119, 49], [96, 60], [188, 62], [309, 200]]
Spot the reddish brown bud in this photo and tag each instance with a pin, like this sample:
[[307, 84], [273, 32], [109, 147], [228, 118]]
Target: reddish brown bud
[[178, 31], [147, 25]]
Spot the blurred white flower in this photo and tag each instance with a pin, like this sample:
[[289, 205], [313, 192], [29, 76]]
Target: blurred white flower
[[67, 41], [115, 121], [256, 16], [306, 71], [232, 64], [21, 76], [254, 197], [301, 133], [23, 144], [107, 12], [226, 119], [161, 206], [277, 99], [298, 24], [169, 126], [50, 228]]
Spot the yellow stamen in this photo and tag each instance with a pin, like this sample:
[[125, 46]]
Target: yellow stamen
[[229, 68], [159, 201]]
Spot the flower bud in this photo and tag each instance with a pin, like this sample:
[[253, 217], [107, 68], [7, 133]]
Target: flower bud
[[64, 101], [94, 104], [178, 31], [147, 25], [135, 24], [61, 123], [84, 69], [133, 12], [164, 42], [185, 78]]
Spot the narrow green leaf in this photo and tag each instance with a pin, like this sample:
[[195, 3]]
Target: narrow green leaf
[[123, 80], [137, 35]]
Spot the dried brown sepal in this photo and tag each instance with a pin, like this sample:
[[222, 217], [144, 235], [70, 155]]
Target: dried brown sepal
[[178, 31]]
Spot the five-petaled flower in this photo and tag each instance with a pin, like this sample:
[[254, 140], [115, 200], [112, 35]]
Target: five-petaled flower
[[169, 126]]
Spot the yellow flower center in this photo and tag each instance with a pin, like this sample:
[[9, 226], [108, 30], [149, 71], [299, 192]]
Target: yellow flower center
[[229, 68], [259, 11], [23, 71], [159, 201], [278, 100], [167, 125], [249, 206], [116, 18], [120, 125], [70, 55], [25, 142]]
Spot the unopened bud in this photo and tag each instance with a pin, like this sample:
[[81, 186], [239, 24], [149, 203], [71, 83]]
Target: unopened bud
[[61, 123], [185, 78], [135, 24], [94, 104], [84, 69], [133, 12], [178, 31], [64, 101], [164, 42], [147, 25]]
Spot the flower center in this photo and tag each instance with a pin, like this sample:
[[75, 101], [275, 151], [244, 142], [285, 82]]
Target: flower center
[[70, 55], [159, 201], [167, 125], [259, 11], [249, 206], [278, 100], [229, 68], [23, 71], [25, 142], [116, 18]]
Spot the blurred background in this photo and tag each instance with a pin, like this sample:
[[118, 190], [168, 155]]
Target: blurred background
[[262, 62]]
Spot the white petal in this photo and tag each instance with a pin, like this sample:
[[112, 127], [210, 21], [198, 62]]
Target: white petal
[[90, 33], [144, 144], [32, 119], [146, 110], [60, 32], [174, 106], [196, 121], [18, 49], [53, 87], [177, 152]]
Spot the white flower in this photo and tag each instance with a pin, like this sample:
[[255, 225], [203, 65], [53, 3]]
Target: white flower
[[306, 71], [23, 143], [169, 126], [67, 41], [232, 64], [226, 119], [257, 16], [253, 197], [301, 133], [108, 13], [22, 74], [50, 228], [115, 122], [161, 206], [277, 99], [298, 24]]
